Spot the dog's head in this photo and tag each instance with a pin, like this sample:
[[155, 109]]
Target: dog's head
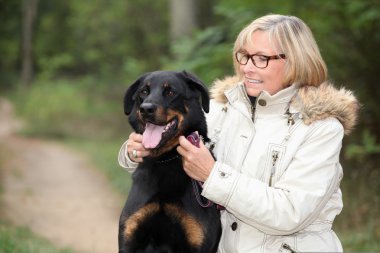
[[164, 105]]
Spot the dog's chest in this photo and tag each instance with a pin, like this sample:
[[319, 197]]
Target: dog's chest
[[164, 180]]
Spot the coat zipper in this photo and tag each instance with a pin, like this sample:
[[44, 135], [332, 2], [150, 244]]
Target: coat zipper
[[274, 161], [253, 111], [275, 154], [288, 248], [253, 106]]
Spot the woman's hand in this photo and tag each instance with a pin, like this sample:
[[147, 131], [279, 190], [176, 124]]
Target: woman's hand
[[197, 162], [135, 148]]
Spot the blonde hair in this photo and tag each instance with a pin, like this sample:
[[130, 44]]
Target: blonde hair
[[291, 36]]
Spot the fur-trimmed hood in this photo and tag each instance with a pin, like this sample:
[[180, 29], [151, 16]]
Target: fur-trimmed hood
[[313, 102]]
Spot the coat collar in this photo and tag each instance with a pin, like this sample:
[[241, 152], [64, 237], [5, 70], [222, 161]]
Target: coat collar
[[311, 102], [265, 103]]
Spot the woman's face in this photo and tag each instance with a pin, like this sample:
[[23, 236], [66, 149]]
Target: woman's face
[[271, 78]]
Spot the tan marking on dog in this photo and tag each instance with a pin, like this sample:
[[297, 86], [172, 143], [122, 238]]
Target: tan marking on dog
[[193, 229], [161, 116], [174, 141], [171, 114], [132, 223]]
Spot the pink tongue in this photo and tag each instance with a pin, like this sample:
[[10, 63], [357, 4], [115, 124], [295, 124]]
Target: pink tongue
[[152, 135]]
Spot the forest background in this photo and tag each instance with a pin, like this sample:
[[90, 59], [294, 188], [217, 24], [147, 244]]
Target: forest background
[[65, 65]]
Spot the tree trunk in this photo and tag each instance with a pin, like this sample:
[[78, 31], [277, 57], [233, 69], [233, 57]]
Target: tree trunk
[[183, 19], [29, 13]]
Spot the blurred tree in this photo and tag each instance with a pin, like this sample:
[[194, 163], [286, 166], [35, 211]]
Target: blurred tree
[[10, 27], [205, 13], [111, 41], [117, 40], [355, 28], [147, 33], [183, 18], [29, 13]]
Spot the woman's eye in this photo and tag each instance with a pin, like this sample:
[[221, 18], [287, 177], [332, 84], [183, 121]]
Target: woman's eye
[[262, 58]]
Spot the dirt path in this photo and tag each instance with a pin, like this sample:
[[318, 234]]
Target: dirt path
[[55, 192]]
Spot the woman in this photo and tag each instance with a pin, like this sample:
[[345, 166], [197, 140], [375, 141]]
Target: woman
[[277, 130]]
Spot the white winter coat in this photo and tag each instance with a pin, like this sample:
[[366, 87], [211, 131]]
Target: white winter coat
[[277, 171]]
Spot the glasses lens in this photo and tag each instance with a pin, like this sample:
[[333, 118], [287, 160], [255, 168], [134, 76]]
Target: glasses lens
[[242, 58], [260, 61]]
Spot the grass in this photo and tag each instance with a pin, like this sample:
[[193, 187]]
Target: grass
[[360, 241], [22, 240]]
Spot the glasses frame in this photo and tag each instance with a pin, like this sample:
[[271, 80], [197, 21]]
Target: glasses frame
[[268, 58]]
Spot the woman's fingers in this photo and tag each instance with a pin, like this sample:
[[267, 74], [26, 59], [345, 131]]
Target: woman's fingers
[[135, 148], [197, 162]]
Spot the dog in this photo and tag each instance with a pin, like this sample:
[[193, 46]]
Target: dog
[[163, 212]]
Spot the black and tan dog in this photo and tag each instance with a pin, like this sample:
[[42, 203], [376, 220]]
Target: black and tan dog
[[162, 213]]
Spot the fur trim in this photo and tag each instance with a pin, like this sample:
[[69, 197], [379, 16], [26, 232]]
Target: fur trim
[[313, 102], [324, 101], [220, 86]]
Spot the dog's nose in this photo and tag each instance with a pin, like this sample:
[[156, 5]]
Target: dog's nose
[[147, 108]]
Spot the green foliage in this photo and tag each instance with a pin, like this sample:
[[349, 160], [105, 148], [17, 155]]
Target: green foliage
[[66, 108], [22, 240], [364, 241], [358, 224], [45, 106], [201, 53], [362, 151], [75, 38]]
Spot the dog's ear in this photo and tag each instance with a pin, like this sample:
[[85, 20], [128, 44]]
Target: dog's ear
[[130, 94], [198, 84]]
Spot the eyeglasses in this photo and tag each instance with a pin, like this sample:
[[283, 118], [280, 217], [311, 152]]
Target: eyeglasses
[[260, 61]]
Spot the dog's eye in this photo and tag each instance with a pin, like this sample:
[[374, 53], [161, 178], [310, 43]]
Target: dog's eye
[[144, 92], [170, 92]]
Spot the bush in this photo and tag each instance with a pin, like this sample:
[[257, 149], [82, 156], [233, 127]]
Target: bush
[[64, 108]]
